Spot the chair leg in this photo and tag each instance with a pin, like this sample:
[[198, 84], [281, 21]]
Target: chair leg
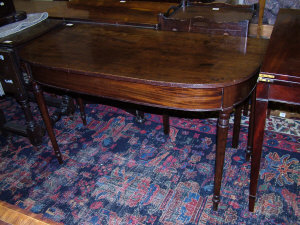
[[166, 124], [82, 111]]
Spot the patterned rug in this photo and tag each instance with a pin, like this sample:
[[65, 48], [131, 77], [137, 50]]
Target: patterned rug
[[117, 171]]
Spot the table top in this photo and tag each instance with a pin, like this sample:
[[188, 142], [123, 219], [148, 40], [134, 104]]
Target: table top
[[283, 56], [84, 54], [108, 11], [181, 59]]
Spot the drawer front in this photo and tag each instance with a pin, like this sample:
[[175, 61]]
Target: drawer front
[[9, 73]]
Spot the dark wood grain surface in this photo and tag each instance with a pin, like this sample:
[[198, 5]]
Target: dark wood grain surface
[[213, 18], [171, 63], [170, 58], [221, 14], [109, 11], [283, 55], [279, 81]]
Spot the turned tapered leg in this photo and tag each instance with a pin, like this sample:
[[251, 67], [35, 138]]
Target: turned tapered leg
[[237, 126], [34, 131], [166, 124], [82, 111], [261, 107], [222, 133], [44, 111], [251, 126]]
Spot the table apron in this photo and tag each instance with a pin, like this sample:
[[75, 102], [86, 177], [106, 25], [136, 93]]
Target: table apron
[[188, 99], [238, 93], [284, 94]]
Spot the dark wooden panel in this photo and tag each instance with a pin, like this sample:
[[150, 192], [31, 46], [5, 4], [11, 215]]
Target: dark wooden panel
[[214, 18], [262, 90], [279, 82], [285, 94], [108, 11], [147, 94], [283, 55], [234, 95], [145, 55]]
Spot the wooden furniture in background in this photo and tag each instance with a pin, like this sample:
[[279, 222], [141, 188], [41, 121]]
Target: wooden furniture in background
[[14, 81], [213, 18], [121, 63], [279, 81], [136, 13]]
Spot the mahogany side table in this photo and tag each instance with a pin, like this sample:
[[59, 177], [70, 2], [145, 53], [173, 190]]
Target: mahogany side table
[[279, 81]]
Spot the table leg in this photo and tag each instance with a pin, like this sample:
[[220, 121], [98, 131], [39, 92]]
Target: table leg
[[82, 111], [246, 107], [34, 131], [222, 133], [236, 125], [2, 120], [140, 116], [251, 126], [166, 124], [261, 107], [66, 107], [44, 111]]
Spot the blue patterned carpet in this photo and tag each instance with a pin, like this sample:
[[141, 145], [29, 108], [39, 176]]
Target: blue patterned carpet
[[117, 171]]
